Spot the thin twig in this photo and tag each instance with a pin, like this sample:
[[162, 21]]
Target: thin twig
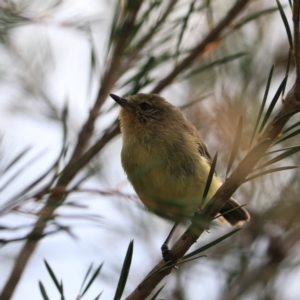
[[211, 37], [44, 216]]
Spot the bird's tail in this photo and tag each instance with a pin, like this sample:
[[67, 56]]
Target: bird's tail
[[234, 214]]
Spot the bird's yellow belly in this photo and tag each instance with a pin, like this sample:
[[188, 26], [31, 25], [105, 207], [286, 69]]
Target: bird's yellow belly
[[169, 189]]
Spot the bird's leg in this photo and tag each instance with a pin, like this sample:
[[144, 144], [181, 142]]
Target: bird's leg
[[166, 252]]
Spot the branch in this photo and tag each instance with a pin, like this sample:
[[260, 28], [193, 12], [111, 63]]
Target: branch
[[211, 37], [278, 250], [78, 158], [112, 74], [291, 104]]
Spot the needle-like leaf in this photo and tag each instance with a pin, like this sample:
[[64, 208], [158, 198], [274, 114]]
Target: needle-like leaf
[[214, 64], [270, 171], [279, 157], [52, 275], [85, 277], [183, 27], [213, 243], [124, 272], [157, 293], [43, 291], [272, 105], [291, 127], [92, 279], [210, 177], [236, 145], [262, 104], [286, 24], [286, 137]]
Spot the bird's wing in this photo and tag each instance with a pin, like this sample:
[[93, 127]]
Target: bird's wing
[[200, 144]]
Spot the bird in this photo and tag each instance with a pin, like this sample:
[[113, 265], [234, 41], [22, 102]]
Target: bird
[[166, 160]]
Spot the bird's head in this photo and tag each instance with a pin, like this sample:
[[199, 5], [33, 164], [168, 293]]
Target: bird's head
[[146, 111]]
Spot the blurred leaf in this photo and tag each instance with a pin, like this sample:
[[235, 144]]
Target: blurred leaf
[[140, 79], [211, 174], [116, 17], [92, 279], [85, 277], [280, 157], [182, 107], [62, 290], [287, 70], [147, 37], [93, 64], [15, 160], [214, 64], [52, 275], [190, 259], [236, 145], [184, 26], [21, 170], [290, 114], [254, 17], [291, 127], [98, 297], [209, 245], [284, 138], [280, 150], [209, 14], [43, 291], [157, 293], [65, 114], [16, 199], [228, 211], [146, 16], [272, 104], [262, 104], [270, 171], [124, 272], [10, 19], [286, 24]]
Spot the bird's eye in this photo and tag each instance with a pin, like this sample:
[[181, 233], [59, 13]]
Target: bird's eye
[[145, 106]]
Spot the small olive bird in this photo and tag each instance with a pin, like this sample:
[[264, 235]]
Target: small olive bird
[[167, 162]]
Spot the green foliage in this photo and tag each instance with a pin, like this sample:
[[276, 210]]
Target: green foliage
[[236, 145], [209, 245], [286, 24], [211, 174], [272, 104], [262, 106], [157, 293], [92, 279], [83, 289], [124, 272], [43, 291], [58, 285]]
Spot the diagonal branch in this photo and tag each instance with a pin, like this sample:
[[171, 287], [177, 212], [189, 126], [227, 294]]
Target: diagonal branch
[[291, 104], [111, 75], [211, 37]]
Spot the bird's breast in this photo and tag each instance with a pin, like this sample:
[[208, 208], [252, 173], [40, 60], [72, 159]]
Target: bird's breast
[[166, 176]]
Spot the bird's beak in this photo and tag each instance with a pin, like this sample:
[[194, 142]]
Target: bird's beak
[[121, 101]]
